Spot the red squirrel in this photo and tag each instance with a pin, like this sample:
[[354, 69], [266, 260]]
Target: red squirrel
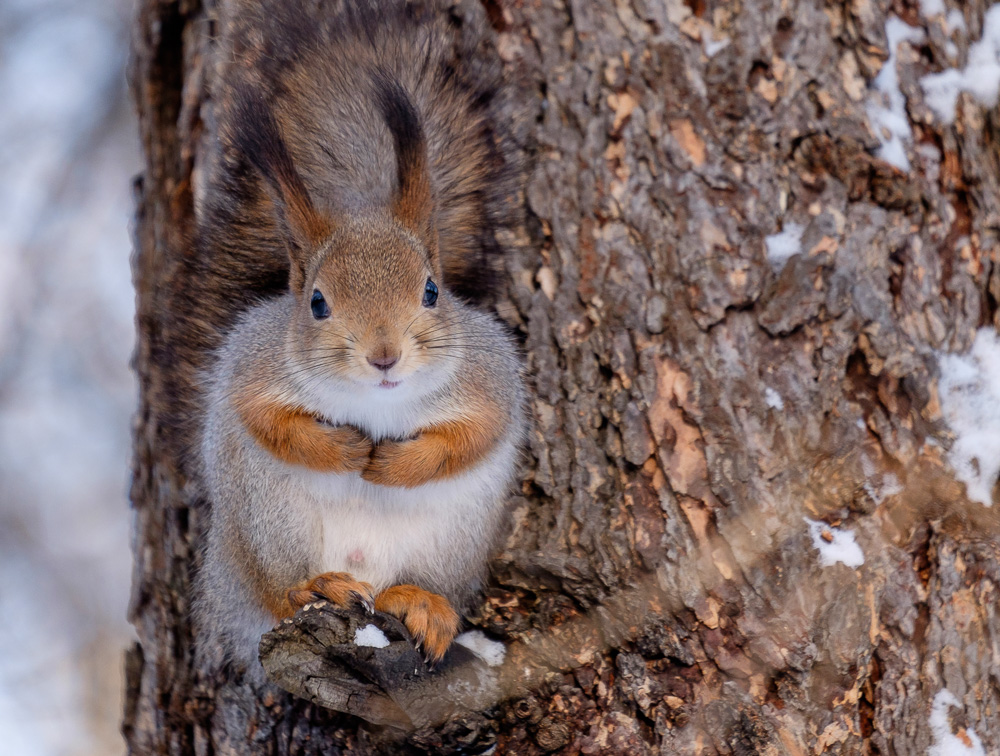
[[362, 429]]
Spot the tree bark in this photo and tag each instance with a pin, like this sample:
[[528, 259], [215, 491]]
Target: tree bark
[[693, 401]]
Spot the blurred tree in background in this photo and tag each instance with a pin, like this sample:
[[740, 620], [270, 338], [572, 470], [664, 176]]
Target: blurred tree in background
[[68, 151]]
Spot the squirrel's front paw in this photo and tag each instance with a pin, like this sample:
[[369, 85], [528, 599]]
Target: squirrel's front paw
[[399, 463], [353, 446], [430, 618], [339, 587]]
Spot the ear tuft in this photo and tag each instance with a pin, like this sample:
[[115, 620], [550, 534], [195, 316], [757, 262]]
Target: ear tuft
[[413, 202], [258, 138]]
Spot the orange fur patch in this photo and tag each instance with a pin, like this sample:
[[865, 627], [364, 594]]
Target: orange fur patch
[[298, 438], [310, 228], [430, 618], [338, 587], [440, 451], [413, 206]]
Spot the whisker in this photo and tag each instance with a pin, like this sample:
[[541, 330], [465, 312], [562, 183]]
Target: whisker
[[436, 328], [470, 347]]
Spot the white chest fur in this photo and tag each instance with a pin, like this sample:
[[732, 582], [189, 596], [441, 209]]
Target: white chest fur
[[429, 534], [384, 413], [425, 534]]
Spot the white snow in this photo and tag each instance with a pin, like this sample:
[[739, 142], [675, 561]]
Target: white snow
[[370, 636], [955, 21], [980, 77], [490, 651], [887, 111], [932, 8], [783, 245], [945, 742], [712, 46], [891, 485], [941, 91], [773, 399], [879, 487], [841, 548], [969, 392]]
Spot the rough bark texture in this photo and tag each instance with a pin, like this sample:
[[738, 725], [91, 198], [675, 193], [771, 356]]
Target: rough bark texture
[[661, 593]]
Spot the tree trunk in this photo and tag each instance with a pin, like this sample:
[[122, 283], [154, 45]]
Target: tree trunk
[[716, 407]]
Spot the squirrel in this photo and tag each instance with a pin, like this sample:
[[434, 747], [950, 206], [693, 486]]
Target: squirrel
[[361, 429]]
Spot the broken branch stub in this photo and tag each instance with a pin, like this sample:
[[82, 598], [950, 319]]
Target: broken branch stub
[[313, 655]]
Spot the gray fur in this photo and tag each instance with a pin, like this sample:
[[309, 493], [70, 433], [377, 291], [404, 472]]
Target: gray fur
[[257, 498], [276, 524]]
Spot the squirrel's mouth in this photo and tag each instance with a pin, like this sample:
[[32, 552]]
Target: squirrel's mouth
[[389, 384]]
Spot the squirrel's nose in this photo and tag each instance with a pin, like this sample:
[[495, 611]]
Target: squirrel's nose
[[383, 363]]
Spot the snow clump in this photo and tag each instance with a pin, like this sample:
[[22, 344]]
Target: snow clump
[[887, 114], [840, 548], [969, 392], [946, 743], [490, 651], [370, 636], [980, 77], [783, 245]]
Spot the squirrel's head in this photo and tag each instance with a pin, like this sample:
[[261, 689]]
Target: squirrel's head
[[371, 308], [370, 305]]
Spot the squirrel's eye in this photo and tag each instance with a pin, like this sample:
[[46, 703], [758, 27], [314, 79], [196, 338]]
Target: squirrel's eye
[[319, 306], [430, 293]]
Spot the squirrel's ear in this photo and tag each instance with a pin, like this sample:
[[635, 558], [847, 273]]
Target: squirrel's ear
[[259, 138], [413, 202]]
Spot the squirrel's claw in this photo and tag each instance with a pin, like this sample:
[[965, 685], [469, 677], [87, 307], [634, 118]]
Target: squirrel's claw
[[339, 588], [430, 618], [299, 598], [366, 600]]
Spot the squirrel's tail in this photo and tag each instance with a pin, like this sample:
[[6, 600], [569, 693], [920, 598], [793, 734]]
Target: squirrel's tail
[[321, 68]]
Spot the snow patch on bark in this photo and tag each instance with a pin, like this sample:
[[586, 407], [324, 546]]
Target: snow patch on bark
[[490, 651], [773, 399], [879, 487], [887, 111], [980, 77], [841, 546], [712, 46], [947, 743], [370, 636], [969, 392], [781, 246]]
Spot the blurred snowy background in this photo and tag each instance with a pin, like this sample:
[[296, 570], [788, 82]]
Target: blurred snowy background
[[68, 151]]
